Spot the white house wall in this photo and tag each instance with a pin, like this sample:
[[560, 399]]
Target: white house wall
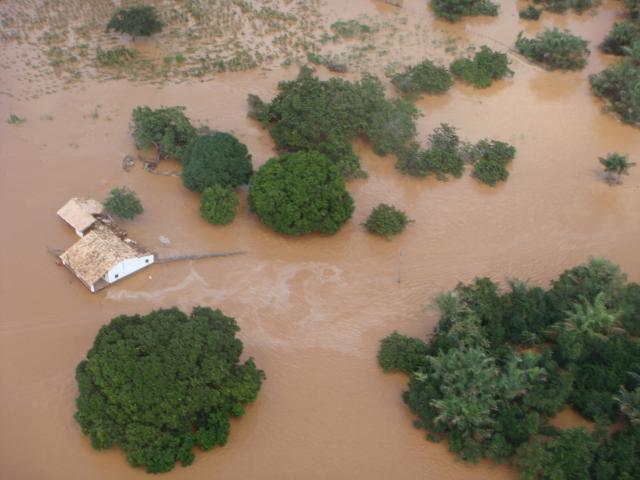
[[127, 267]]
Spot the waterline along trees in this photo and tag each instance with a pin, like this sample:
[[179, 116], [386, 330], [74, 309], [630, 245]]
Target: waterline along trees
[[478, 383], [300, 193], [157, 385]]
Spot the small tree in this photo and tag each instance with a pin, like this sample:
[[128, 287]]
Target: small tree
[[453, 10], [167, 129], [218, 205], [490, 159], [123, 203], [615, 165], [425, 77], [486, 66], [216, 159], [300, 193], [137, 21], [555, 49], [386, 220]]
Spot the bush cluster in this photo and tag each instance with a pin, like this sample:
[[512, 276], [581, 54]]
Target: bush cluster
[[386, 220], [350, 28], [490, 159], [300, 193], [561, 6], [555, 49], [218, 205], [114, 57], [425, 77], [621, 36], [530, 13], [453, 10], [124, 203], [215, 159], [618, 85], [137, 21], [473, 383], [158, 385], [309, 114], [167, 129], [486, 66]]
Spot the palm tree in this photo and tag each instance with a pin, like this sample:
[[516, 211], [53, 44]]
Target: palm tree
[[615, 165]]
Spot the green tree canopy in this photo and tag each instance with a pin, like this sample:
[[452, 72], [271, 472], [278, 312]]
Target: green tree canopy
[[216, 159], [555, 49], [157, 385], [218, 205], [167, 129], [137, 21], [480, 71], [425, 77], [123, 203], [300, 193], [453, 10], [386, 220], [615, 165]]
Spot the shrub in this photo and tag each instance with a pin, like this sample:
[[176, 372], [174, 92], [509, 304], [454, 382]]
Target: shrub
[[325, 116], [406, 354], [490, 159], [15, 119], [218, 205], [485, 67], [123, 203], [159, 384], [300, 193], [618, 83], [424, 77], [621, 36], [137, 21], [114, 57], [453, 10], [386, 220], [555, 49], [167, 129], [215, 159], [350, 28], [561, 6], [530, 13], [615, 165]]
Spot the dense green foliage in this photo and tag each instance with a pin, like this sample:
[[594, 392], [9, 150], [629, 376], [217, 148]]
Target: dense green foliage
[[160, 384], [442, 159], [300, 193], [615, 165], [486, 66], [561, 6], [425, 77], [114, 57], [618, 85], [167, 129], [386, 220], [137, 21], [123, 203], [622, 35], [215, 159], [555, 49], [325, 116], [530, 13], [473, 384], [453, 10], [218, 205], [490, 159]]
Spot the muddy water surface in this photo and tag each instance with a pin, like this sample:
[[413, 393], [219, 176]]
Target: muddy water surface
[[312, 310]]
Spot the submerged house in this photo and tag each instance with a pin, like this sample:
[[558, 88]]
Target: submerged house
[[103, 255]]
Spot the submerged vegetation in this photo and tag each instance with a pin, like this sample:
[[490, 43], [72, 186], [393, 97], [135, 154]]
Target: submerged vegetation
[[124, 203], [621, 36], [386, 220], [490, 159], [309, 114], [167, 129], [137, 21], [218, 205], [474, 384], [615, 165], [561, 6], [298, 193], [486, 66], [159, 384], [555, 49], [453, 10], [425, 77]]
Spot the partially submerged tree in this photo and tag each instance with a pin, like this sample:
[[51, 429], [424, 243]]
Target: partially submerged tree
[[167, 129], [555, 49], [621, 36], [486, 66], [124, 203], [218, 205], [160, 384], [615, 165], [453, 10], [300, 193], [137, 21], [386, 220], [425, 77], [490, 159], [216, 159]]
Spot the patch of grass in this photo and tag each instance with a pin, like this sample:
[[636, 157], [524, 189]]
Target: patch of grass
[[350, 28], [115, 57]]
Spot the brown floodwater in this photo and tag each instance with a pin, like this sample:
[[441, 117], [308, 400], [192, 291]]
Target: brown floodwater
[[313, 309]]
